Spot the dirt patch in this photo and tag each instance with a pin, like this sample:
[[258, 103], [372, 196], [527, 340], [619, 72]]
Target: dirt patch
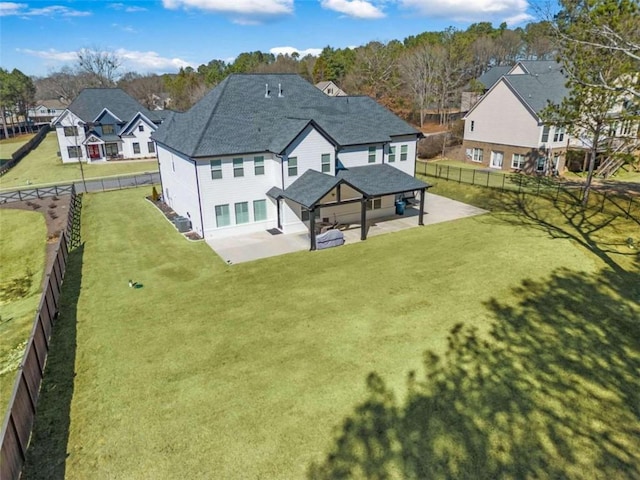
[[55, 211]]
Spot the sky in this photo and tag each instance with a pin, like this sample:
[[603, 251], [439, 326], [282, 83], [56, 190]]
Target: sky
[[160, 36]]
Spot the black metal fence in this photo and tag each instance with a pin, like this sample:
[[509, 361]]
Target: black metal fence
[[18, 421], [24, 150]]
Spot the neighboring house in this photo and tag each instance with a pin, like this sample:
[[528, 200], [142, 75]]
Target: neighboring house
[[331, 89], [106, 124], [271, 151], [46, 111], [504, 129], [483, 83]]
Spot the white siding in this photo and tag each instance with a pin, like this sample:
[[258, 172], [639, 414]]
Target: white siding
[[357, 156], [308, 148], [143, 138], [408, 166], [502, 119], [179, 185], [70, 120]]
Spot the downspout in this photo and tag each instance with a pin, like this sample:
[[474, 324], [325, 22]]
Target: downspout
[[279, 210], [195, 166]]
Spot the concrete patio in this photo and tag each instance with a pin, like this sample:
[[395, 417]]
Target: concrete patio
[[258, 245]]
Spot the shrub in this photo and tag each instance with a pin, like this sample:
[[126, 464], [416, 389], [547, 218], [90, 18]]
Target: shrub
[[154, 194]]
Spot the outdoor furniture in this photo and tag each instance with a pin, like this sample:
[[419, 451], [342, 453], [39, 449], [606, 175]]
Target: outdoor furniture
[[332, 238]]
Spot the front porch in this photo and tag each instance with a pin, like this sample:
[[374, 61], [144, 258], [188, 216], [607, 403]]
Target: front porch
[[254, 246]]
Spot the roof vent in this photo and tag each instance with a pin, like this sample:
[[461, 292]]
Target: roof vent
[[280, 94], [267, 93]]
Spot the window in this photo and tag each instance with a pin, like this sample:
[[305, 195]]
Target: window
[[259, 210], [242, 212], [136, 147], [541, 164], [223, 218], [325, 163], [238, 167], [472, 125], [305, 214], [545, 134], [497, 159], [392, 154], [141, 128], [477, 155], [403, 153], [372, 154], [258, 165], [74, 152], [374, 204], [558, 135], [518, 161], [216, 169], [70, 131], [111, 149], [293, 166], [108, 129], [152, 147]]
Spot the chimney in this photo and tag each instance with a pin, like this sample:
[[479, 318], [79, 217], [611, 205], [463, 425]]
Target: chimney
[[266, 91], [280, 94]]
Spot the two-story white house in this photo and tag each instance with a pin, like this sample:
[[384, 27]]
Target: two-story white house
[[504, 129], [271, 151], [104, 124]]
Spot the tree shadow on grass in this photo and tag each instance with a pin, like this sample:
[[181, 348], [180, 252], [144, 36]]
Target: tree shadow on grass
[[47, 450], [553, 392]]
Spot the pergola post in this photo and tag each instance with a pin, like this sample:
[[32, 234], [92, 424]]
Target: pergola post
[[421, 211], [312, 228], [363, 218]]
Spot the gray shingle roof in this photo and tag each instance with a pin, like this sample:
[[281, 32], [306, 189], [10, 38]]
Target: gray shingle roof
[[372, 180], [90, 102], [236, 117], [491, 76], [537, 90]]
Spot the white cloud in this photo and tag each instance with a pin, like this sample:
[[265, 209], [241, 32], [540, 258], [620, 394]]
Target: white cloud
[[126, 8], [512, 11], [244, 12], [124, 28], [290, 50], [23, 10], [354, 8], [132, 60]]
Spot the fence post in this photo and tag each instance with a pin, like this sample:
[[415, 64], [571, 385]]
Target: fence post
[[135, 180], [119, 186], [460, 175], [102, 182], [488, 176], [448, 168]]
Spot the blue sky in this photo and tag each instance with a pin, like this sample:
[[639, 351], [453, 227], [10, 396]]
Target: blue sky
[[163, 35]]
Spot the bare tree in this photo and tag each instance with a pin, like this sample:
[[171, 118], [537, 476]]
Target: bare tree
[[147, 89], [420, 72], [101, 65]]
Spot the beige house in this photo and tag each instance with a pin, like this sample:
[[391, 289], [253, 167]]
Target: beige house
[[504, 129], [331, 89]]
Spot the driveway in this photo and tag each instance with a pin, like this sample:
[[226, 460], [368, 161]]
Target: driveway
[[254, 246]]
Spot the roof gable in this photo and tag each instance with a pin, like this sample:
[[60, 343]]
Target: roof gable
[[91, 102]]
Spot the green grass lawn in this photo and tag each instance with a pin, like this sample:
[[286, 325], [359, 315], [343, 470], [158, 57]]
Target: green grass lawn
[[22, 254], [43, 167], [259, 370], [9, 145]]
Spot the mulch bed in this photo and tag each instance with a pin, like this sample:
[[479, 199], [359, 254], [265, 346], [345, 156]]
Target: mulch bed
[[171, 215]]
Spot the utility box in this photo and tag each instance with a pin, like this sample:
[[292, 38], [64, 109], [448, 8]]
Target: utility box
[[183, 224]]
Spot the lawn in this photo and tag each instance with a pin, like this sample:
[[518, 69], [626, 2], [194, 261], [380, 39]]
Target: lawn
[[259, 370], [10, 145], [43, 167], [22, 255]]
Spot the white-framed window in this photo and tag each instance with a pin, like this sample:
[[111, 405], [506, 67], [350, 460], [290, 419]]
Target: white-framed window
[[403, 153], [325, 163], [477, 155], [259, 210], [392, 154], [558, 134], [111, 149], [372, 154], [292, 167], [70, 131], [151, 147], [374, 203], [541, 164], [216, 169], [242, 212], [545, 134], [141, 128], [517, 161], [223, 219], [238, 167], [74, 152], [136, 147], [108, 129], [258, 165], [472, 125]]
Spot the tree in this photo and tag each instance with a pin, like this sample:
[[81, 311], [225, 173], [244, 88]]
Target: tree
[[101, 65], [17, 94], [420, 72], [147, 89], [600, 80]]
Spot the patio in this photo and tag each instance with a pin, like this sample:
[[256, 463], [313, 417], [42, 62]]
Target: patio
[[246, 248]]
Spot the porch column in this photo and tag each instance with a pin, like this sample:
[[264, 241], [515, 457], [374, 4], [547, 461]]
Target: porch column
[[363, 219], [421, 211], [312, 228], [278, 209]]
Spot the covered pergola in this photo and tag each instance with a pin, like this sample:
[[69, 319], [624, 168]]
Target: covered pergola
[[363, 183]]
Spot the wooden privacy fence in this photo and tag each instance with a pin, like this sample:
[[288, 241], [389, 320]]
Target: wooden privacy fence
[[24, 150], [18, 421]]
